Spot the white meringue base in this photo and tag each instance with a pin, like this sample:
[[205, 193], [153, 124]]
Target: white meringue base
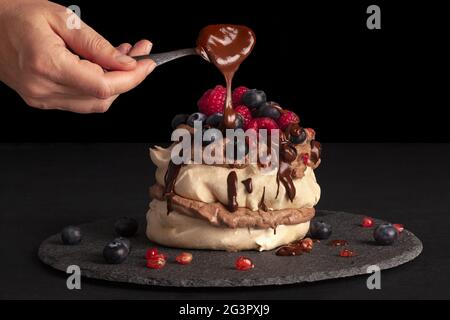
[[180, 231]]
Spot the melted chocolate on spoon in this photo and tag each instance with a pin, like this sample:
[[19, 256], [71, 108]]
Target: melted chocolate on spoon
[[226, 46]]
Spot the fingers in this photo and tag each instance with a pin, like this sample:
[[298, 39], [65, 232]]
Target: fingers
[[142, 47], [125, 48], [120, 81], [87, 43]]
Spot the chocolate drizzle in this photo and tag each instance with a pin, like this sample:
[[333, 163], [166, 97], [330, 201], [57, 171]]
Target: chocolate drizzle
[[170, 179], [316, 149], [288, 154], [226, 46], [232, 191], [248, 185], [262, 205]]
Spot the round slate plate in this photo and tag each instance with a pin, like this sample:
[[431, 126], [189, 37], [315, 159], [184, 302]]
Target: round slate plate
[[216, 268]]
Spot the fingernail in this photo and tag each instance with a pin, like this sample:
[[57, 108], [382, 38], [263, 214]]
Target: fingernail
[[150, 67], [124, 59]]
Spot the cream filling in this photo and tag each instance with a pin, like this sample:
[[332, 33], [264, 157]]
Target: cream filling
[[208, 184], [180, 231]]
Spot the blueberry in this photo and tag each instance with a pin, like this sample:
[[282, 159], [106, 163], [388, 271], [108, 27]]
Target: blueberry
[[320, 230], [115, 252], [126, 242], [198, 116], [126, 227], [385, 234], [254, 98], [215, 119], [179, 119], [297, 139], [71, 235], [269, 111], [239, 122]]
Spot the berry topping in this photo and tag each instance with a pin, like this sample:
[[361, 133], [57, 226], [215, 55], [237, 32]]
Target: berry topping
[[184, 258], [266, 123], [367, 222], [270, 110], [254, 98], [212, 100], [346, 253], [286, 119], [151, 253], [239, 122], [244, 263], [306, 244], [245, 113], [297, 136], [320, 230], [198, 116], [71, 235], [156, 262], [385, 234], [126, 227], [399, 227], [215, 120], [237, 95], [115, 252], [305, 159], [210, 135], [125, 241], [252, 124], [179, 119]]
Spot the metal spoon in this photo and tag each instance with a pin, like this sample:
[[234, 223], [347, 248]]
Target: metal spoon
[[164, 57]]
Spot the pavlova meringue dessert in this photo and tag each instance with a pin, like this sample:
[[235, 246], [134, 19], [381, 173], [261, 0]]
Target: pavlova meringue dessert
[[252, 191]]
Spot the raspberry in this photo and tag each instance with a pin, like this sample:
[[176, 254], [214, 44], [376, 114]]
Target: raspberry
[[245, 113], [287, 118], [346, 253], [156, 262], [184, 258], [367, 222], [237, 95], [266, 123], [212, 100], [151, 253], [244, 263], [252, 124], [399, 227]]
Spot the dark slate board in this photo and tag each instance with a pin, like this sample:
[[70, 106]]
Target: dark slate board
[[216, 268]]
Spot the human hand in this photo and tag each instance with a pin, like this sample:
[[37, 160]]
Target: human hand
[[54, 67]]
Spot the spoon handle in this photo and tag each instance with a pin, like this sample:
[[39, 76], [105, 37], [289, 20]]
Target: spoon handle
[[164, 57]]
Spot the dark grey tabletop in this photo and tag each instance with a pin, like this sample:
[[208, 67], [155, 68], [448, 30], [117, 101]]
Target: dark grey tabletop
[[44, 187]]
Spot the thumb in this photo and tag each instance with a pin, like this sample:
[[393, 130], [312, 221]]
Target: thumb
[[90, 45]]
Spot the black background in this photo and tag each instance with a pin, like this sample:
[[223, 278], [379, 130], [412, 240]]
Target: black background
[[316, 58]]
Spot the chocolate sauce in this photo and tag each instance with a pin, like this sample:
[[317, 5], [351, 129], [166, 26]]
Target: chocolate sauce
[[285, 177], [169, 181], [289, 250], [262, 205], [295, 248], [288, 154], [226, 46], [338, 243], [232, 191], [316, 149], [248, 185]]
